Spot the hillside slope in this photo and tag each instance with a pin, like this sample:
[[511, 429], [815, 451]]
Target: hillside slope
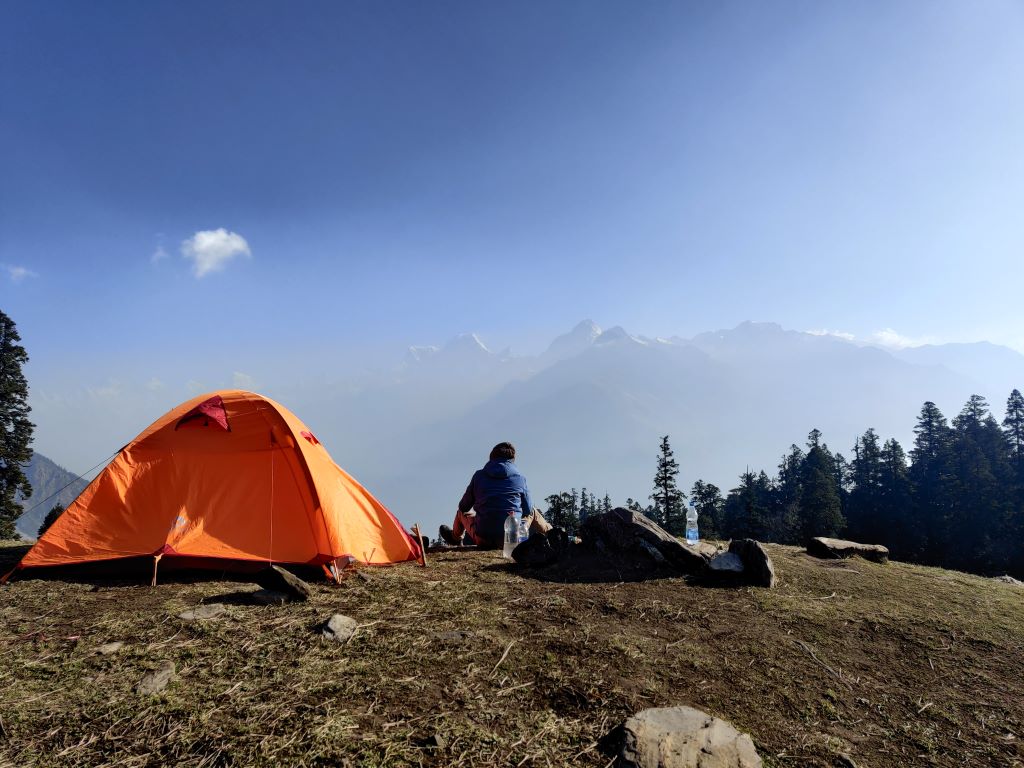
[[892, 664], [51, 484]]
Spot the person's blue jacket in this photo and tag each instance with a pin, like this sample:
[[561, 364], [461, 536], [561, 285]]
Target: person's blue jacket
[[494, 491]]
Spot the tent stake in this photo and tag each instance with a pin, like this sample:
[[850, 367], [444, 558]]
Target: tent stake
[[423, 549], [156, 561]]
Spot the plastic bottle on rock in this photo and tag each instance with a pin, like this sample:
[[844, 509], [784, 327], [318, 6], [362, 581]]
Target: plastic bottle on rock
[[691, 524]]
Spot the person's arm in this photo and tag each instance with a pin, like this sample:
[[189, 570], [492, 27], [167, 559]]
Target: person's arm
[[525, 500], [468, 499]]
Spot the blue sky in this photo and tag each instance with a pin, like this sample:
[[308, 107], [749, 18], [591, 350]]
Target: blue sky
[[396, 172]]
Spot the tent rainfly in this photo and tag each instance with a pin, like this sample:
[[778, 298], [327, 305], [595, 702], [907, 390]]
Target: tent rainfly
[[225, 479]]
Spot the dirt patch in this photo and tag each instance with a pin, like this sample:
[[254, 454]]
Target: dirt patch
[[472, 662]]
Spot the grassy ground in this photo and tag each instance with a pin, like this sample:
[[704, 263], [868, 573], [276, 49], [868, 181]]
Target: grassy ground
[[893, 664]]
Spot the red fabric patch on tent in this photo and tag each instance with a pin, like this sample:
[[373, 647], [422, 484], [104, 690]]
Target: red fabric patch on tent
[[208, 413], [310, 436]]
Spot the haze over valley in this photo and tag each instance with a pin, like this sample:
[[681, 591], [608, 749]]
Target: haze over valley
[[587, 411]]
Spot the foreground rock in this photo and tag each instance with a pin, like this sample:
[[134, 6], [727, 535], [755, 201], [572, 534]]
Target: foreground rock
[[340, 628], [542, 549], [108, 648], [156, 680], [683, 737], [277, 579], [628, 532], [840, 548], [757, 566], [203, 612]]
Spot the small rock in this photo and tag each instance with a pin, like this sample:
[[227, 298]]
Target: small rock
[[108, 648], [726, 562], [683, 737], [339, 628], [203, 612], [823, 547], [757, 566], [156, 680], [845, 761], [541, 549], [269, 597], [456, 636], [277, 579]]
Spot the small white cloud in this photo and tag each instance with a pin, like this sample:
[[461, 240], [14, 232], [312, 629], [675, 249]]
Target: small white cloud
[[17, 273], [887, 337], [210, 250], [243, 380], [194, 387], [111, 389], [154, 384], [158, 255], [837, 334]]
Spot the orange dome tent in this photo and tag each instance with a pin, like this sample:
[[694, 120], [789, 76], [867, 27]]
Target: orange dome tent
[[231, 476]]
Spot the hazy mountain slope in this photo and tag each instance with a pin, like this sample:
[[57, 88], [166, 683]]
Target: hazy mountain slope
[[995, 370], [728, 400], [47, 478]]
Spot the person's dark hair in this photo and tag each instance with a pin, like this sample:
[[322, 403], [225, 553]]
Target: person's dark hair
[[503, 452]]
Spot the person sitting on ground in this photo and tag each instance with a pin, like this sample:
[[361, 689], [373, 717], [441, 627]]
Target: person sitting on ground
[[495, 492]]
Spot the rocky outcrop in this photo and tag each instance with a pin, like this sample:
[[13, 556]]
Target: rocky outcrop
[[823, 547], [627, 532], [684, 737]]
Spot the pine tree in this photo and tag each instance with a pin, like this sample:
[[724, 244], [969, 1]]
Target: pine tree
[[895, 510], [606, 503], [1013, 428], [668, 499], [821, 511], [748, 508], [562, 511], [51, 517], [710, 506], [15, 428], [786, 494], [929, 532], [978, 501], [864, 516]]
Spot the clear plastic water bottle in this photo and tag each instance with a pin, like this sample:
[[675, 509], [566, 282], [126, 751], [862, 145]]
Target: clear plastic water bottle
[[524, 532], [691, 523], [511, 535]]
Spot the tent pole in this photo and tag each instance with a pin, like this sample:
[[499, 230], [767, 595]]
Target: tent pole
[[156, 562]]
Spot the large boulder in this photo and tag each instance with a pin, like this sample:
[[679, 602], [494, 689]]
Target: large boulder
[[757, 566], [684, 737], [629, 532], [823, 547]]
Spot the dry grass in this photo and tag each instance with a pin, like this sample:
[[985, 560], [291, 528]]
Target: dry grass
[[895, 665]]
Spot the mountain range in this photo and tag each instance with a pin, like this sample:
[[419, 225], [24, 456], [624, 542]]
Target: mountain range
[[590, 409]]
